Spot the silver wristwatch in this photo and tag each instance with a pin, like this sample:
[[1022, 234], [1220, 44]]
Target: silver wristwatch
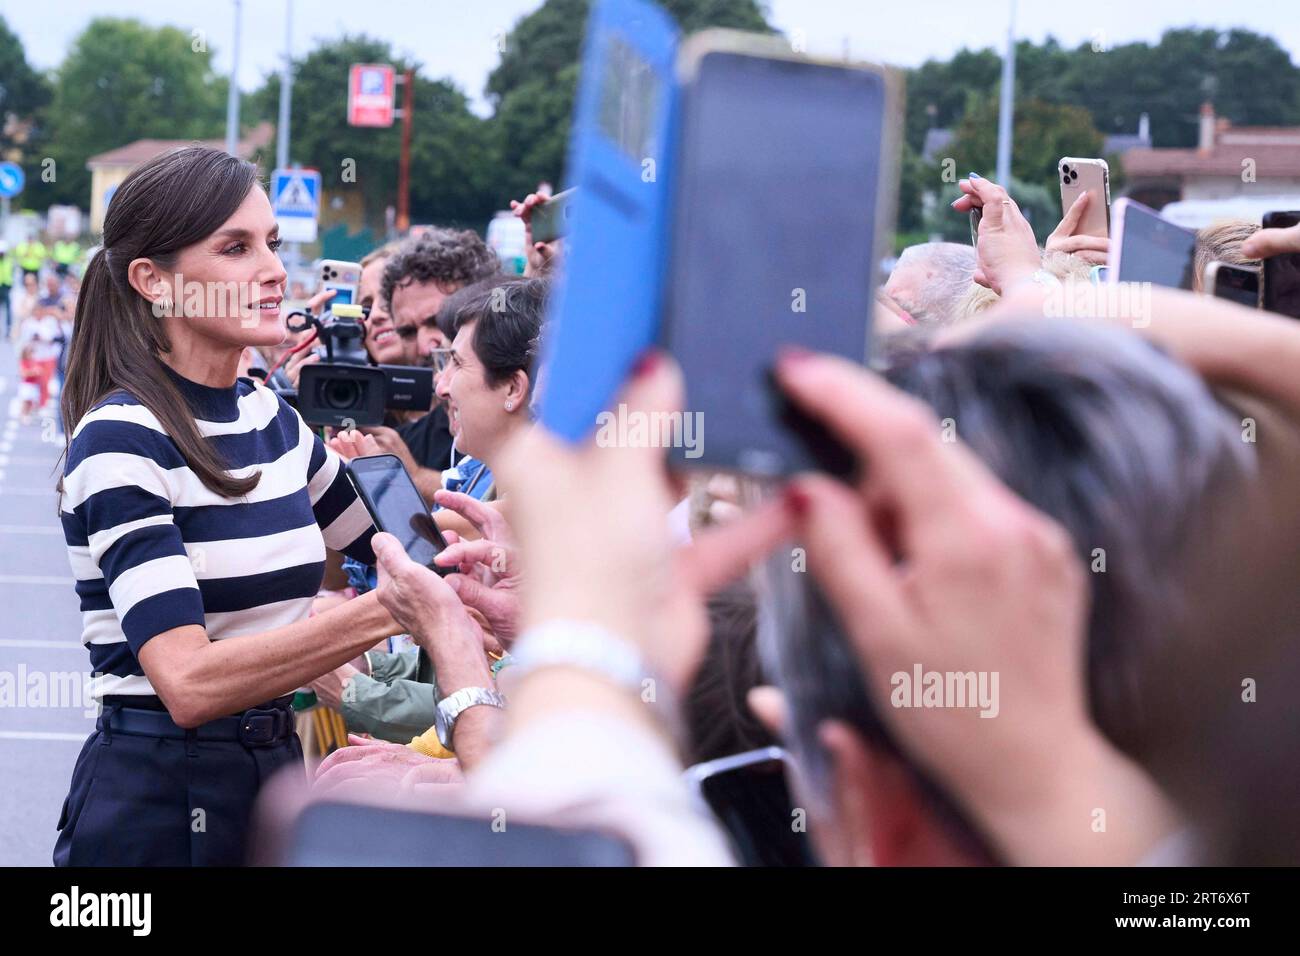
[[453, 705]]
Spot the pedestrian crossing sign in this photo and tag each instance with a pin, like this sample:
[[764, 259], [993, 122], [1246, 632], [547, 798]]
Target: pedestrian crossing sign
[[295, 198]]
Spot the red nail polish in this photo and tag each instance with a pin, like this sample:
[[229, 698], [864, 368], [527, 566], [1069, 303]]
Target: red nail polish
[[647, 363], [796, 501]]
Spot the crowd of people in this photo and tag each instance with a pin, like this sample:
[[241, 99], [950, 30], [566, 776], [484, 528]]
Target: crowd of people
[[38, 292], [1088, 506]]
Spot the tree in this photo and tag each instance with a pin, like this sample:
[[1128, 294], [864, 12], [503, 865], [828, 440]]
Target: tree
[[1042, 134], [534, 85], [937, 92], [23, 91], [452, 160], [122, 81]]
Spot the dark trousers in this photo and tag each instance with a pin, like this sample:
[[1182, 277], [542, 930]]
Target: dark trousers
[[139, 800]]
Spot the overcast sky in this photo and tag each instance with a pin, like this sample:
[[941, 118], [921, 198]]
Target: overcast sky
[[457, 38]]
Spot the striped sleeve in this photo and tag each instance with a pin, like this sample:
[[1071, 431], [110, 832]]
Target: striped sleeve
[[115, 486], [340, 513]]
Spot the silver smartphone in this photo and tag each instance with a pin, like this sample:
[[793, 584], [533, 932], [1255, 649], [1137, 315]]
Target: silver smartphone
[[1091, 176]]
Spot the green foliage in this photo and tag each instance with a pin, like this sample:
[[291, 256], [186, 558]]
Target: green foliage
[[533, 87], [122, 81], [452, 158], [23, 91]]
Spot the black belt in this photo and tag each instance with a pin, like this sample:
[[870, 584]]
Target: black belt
[[255, 727]]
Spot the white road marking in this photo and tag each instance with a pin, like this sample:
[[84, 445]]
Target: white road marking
[[58, 645], [35, 579], [40, 735]]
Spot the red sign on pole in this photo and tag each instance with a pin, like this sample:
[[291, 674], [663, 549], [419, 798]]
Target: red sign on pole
[[370, 94]]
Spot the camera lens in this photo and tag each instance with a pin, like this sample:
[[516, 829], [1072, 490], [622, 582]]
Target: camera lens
[[341, 394]]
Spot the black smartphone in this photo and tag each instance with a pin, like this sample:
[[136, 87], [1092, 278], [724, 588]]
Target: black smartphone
[[339, 834], [1149, 248], [550, 220], [750, 796], [395, 506], [1280, 290], [1238, 284], [976, 215], [784, 167]]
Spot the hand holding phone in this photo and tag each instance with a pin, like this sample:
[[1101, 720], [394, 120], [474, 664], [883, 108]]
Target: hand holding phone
[[343, 278], [550, 219], [1238, 284], [1280, 286], [395, 506], [1091, 176], [1149, 248]]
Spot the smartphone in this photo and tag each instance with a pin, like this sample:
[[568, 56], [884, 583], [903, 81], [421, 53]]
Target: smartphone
[[606, 302], [1090, 176], [1149, 248], [550, 220], [749, 793], [976, 215], [343, 278], [767, 248], [342, 834], [1235, 283], [1280, 287], [395, 506]]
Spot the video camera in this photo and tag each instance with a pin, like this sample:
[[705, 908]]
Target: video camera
[[345, 390]]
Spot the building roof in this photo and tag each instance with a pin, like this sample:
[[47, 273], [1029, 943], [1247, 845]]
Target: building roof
[[1225, 159], [143, 150], [1121, 143], [1222, 150]]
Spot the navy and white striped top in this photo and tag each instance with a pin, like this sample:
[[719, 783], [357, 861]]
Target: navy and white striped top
[[153, 549]]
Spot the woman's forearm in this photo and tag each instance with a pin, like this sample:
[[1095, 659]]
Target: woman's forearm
[[200, 680]]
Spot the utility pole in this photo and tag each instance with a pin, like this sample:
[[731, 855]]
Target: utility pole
[[232, 97], [294, 252], [1006, 109], [286, 90], [404, 165]]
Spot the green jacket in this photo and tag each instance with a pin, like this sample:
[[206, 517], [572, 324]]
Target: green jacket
[[396, 701], [6, 269]]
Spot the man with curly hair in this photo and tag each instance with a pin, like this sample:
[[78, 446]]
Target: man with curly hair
[[418, 278], [427, 269]]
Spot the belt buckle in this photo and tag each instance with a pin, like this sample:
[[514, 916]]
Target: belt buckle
[[259, 728]]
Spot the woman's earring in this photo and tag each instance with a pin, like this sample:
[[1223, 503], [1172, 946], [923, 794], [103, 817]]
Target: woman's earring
[[510, 406]]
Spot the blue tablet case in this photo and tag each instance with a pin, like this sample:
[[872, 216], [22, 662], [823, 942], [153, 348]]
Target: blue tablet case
[[605, 308]]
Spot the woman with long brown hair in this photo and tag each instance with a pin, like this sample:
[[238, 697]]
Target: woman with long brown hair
[[197, 507]]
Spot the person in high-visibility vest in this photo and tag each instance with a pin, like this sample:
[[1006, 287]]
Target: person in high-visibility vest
[[6, 284], [65, 255], [30, 254]]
